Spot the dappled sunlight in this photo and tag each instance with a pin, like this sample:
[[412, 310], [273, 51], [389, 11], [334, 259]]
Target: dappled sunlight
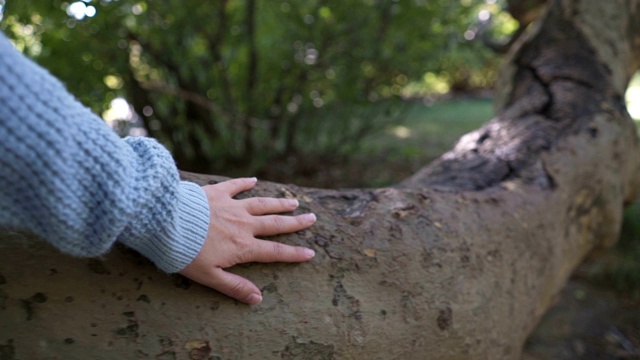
[[79, 10], [28, 36], [633, 100], [121, 117], [467, 142], [491, 14], [632, 97], [119, 109], [400, 131], [431, 84]]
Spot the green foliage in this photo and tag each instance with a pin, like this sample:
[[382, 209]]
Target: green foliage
[[620, 268], [235, 83]]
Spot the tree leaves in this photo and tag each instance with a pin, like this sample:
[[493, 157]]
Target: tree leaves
[[246, 75]]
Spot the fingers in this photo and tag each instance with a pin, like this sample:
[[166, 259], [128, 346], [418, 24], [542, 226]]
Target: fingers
[[270, 251], [275, 224], [235, 186], [262, 205], [231, 239], [234, 286]]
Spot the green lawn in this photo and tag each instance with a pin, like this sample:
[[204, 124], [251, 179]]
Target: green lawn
[[408, 138], [420, 136]]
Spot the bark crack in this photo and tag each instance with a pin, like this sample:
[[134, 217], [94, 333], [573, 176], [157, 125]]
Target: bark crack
[[559, 85], [548, 105]]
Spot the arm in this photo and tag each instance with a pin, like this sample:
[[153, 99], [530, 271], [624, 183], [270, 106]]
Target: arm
[[67, 177]]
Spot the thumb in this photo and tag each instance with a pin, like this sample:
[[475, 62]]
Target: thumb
[[234, 286]]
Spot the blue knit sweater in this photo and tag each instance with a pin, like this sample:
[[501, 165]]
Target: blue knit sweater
[[65, 175]]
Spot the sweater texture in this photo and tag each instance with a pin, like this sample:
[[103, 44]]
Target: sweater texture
[[65, 175]]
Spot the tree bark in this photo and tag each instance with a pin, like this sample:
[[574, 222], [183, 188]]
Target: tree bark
[[457, 262]]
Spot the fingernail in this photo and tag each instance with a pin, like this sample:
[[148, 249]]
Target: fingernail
[[252, 179], [254, 299], [310, 218], [294, 202], [310, 253]]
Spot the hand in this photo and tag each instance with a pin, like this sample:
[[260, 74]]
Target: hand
[[231, 238]]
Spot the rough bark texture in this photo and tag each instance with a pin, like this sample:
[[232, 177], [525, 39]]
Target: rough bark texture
[[457, 262]]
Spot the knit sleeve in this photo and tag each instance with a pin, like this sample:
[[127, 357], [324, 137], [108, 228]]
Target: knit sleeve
[[65, 175]]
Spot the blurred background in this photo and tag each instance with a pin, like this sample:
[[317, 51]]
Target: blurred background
[[352, 93], [287, 90]]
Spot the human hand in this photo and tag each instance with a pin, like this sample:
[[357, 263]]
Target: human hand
[[231, 238]]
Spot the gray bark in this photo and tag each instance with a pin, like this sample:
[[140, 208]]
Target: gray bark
[[457, 262]]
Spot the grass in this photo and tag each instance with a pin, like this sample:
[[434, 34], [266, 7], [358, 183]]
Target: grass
[[404, 145], [423, 135], [429, 131]]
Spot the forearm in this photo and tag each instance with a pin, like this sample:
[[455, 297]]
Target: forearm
[[66, 176]]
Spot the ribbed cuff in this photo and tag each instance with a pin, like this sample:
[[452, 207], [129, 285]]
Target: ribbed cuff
[[180, 242]]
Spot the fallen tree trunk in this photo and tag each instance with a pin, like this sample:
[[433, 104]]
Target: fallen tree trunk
[[457, 262]]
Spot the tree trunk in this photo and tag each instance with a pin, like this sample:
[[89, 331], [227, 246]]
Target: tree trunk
[[457, 262]]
